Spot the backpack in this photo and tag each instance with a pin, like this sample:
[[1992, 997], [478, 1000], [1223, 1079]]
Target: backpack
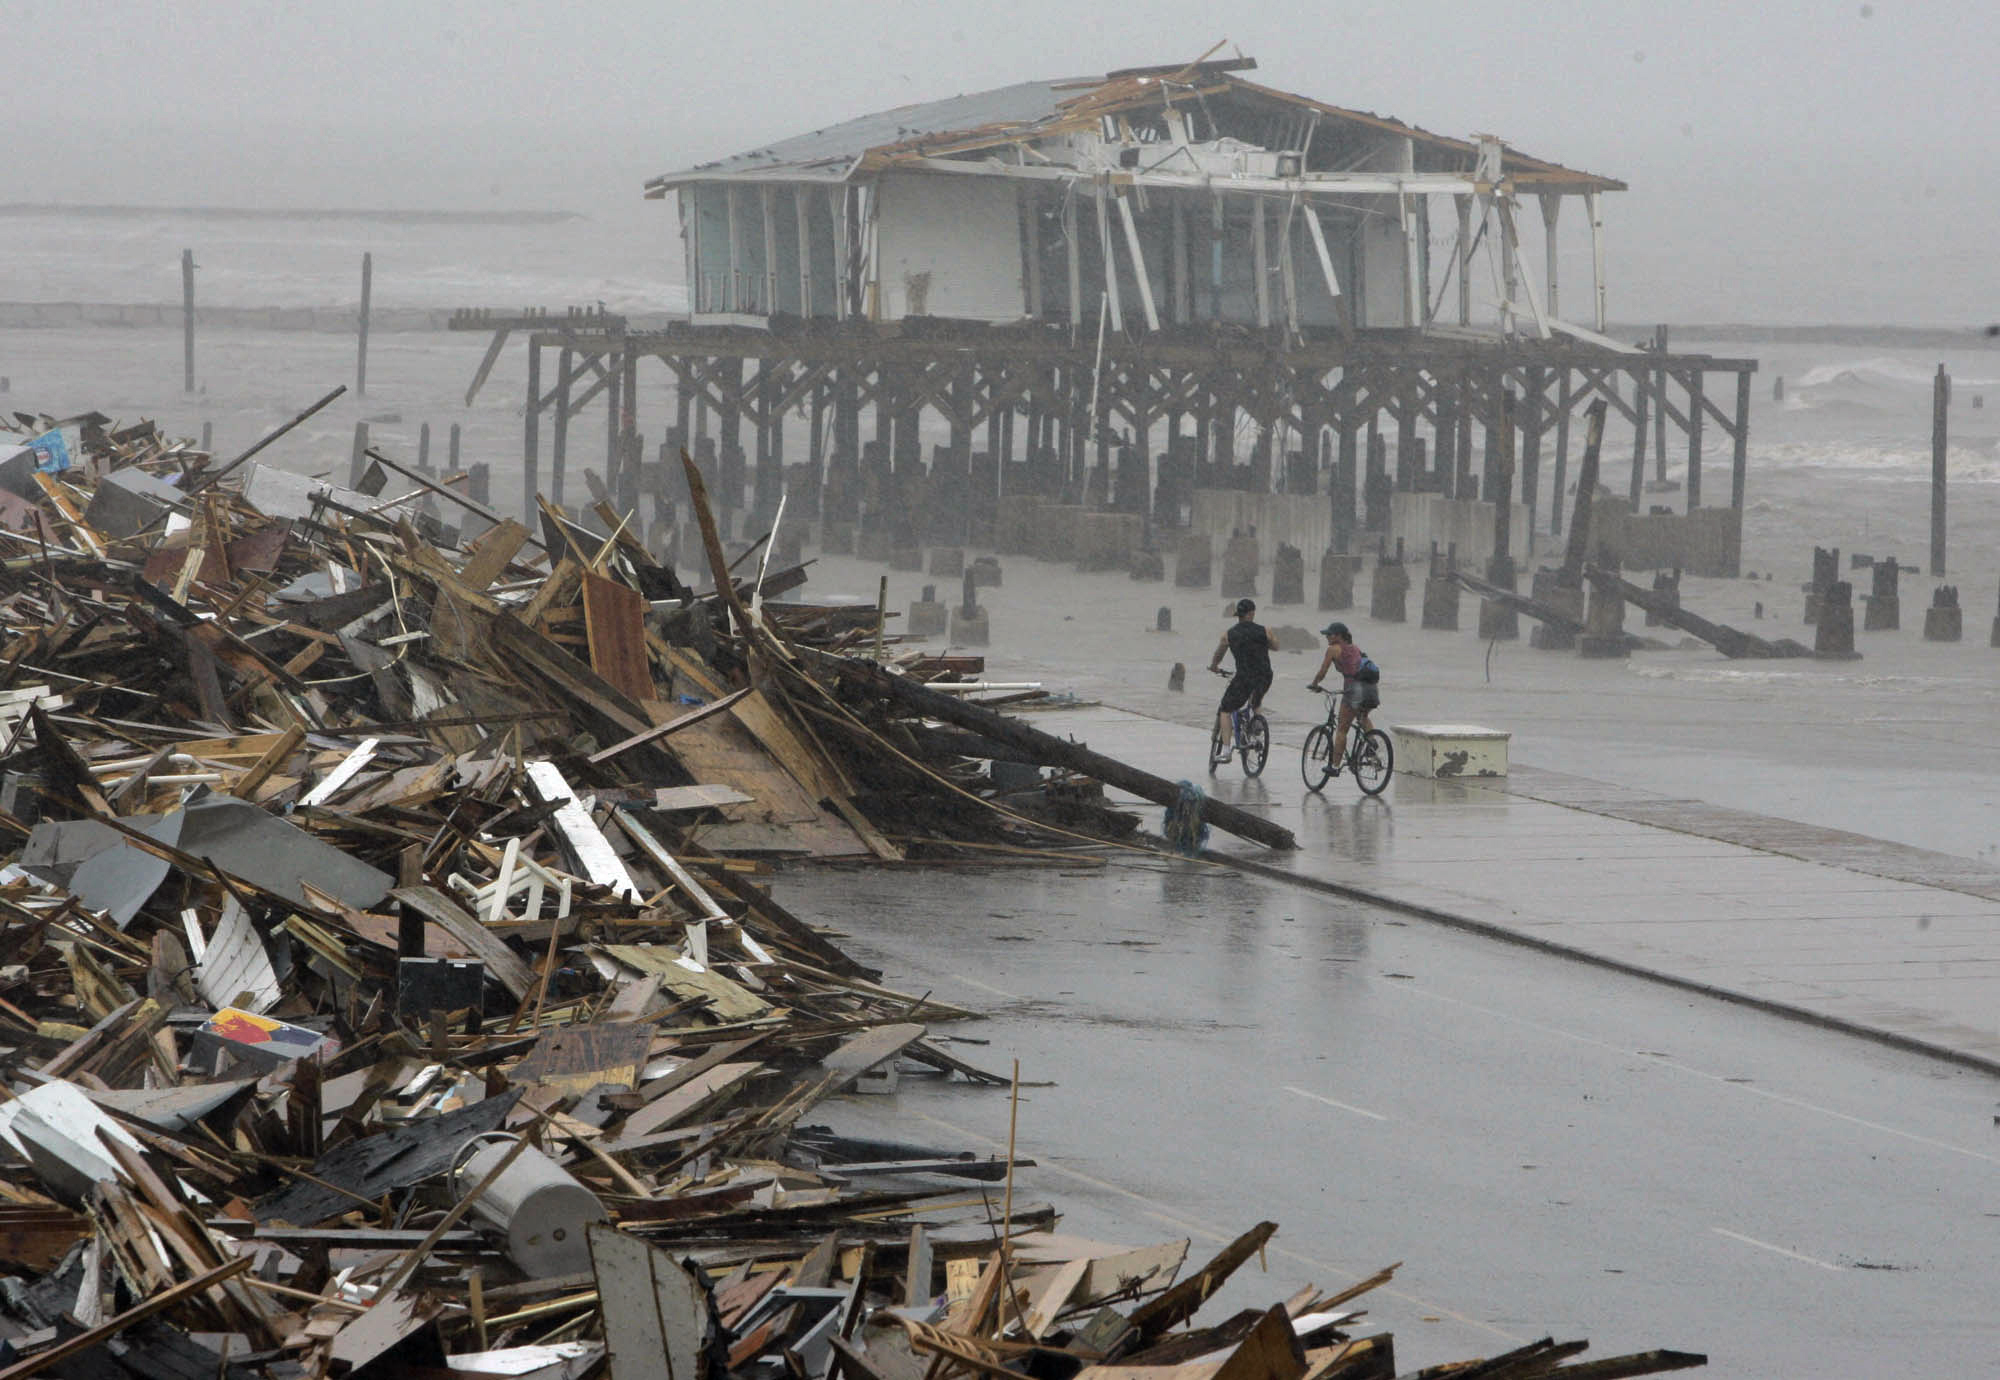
[[1367, 673]]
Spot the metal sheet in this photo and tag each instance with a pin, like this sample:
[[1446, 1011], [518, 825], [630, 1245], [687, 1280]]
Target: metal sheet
[[235, 969], [655, 1313]]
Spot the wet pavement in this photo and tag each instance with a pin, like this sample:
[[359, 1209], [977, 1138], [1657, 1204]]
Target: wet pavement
[[1597, 1147], [1657, 847], [1551, 1148], [1694, 899]]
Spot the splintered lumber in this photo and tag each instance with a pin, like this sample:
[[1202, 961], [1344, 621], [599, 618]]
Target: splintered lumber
[[1052, 751], [83, 1341], [476, 954], [1731, 642], [1178, 1304]]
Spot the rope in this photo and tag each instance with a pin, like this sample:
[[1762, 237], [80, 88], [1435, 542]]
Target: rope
[[1184, 827]]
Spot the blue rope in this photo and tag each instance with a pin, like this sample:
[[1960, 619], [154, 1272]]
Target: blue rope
[[1185, 829]]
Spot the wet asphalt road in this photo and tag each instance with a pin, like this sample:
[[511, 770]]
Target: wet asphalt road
[[1549, 1147]]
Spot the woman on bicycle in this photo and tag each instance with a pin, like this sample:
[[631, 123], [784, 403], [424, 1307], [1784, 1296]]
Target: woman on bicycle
[[1250, 645], [1358, 692]]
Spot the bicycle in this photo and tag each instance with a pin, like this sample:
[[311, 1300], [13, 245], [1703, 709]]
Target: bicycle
[[1370, 755], [1249, 733]]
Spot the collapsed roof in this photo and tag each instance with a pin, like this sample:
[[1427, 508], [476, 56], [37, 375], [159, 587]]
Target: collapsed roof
[[1016, 124]]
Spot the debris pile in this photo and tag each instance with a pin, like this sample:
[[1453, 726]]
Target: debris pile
[[385, 984]]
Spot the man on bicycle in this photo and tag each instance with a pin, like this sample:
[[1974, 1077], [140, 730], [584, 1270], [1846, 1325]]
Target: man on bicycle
[[1358, 693], [1250, 645]]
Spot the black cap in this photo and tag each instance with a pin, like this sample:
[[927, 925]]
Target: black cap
[[1244, 606], [1330, 629]]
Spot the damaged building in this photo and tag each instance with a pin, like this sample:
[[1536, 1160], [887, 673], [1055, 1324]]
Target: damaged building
[[1115, 314]]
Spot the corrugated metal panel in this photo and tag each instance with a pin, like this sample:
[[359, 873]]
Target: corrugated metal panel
[[967, 123], [827, 154]]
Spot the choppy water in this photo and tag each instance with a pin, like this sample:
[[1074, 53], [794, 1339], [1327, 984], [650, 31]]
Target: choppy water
[[1856, 406]]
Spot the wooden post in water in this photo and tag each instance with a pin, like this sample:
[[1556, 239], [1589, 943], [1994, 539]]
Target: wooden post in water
[[187, 320], [1739, 456], [1695, 408], [1659, 407], [614, 390], [559, 443], [531, 438], [1562, 456], [1639, 396], [1940, 412], [361, 353]]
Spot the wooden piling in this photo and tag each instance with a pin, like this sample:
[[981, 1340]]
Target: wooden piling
[[614, 392], [559, 442], [1561, 476], [1531, 448], [1640, 395], [1739, 455], [1446, 456], [1659, 387], [187, 320], [361, 349], [1694, 423], [531, 440], [629, 445], [1940, 416]]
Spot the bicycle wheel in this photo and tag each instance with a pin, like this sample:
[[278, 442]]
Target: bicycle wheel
[[1374, 758], [1316, 758], [1256, 745], [1218, 750]]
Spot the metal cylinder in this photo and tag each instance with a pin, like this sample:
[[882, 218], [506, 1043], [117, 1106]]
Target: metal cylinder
[[538, 1207]]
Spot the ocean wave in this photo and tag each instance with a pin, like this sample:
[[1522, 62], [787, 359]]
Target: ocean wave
[[1838, 675], [1972, 460], [1877, 377]]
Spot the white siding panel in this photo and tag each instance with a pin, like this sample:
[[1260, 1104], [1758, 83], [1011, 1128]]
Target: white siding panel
[[950, 246], [1384, 266]]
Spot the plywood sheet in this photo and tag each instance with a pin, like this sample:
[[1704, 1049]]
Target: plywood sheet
[[781, 816], [615, 619]]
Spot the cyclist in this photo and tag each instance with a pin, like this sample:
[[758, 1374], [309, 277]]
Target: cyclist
[[1250, 645], [1358, 684]]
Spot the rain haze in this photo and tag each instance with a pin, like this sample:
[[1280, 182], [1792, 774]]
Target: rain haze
[[1653, 995], [1787, 162]]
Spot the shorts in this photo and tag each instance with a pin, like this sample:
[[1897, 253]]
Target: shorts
[[1243, 690], [1361, 698]]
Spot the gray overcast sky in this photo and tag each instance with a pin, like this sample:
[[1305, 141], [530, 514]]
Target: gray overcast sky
[[1847, 148]]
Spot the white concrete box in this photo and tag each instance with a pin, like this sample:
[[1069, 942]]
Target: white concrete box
[[1447, 751]]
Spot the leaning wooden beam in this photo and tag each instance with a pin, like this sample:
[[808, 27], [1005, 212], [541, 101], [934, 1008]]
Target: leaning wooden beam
[[1053, 751], [1638, 1363], [1159, 1316], [1534, 608], [493, 350], [1731, 642], [446, 492]]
